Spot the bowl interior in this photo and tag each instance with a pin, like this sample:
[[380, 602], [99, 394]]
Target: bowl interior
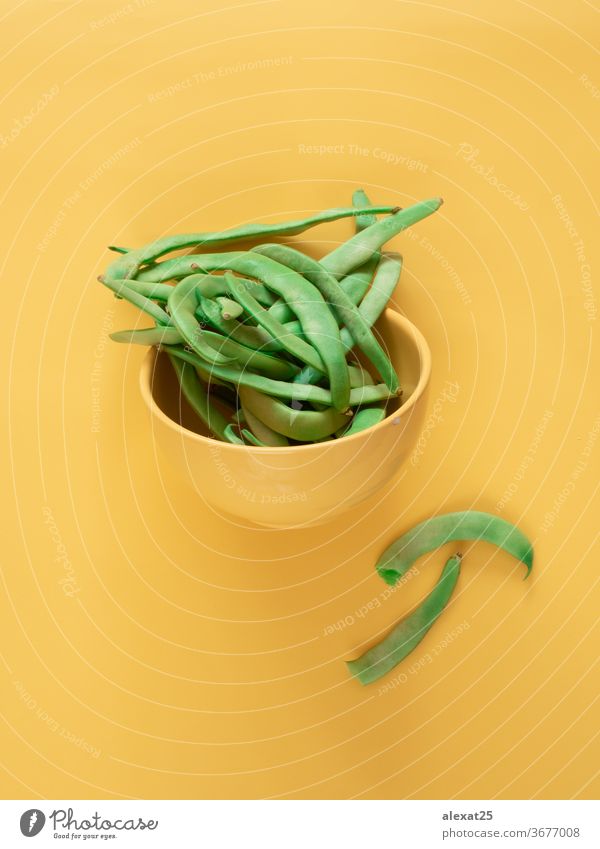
[[403, 343]]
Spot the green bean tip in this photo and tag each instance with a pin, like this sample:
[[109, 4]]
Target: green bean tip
[[390, 576]]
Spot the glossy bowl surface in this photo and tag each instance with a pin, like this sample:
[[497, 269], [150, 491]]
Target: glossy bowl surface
[[301, 485]]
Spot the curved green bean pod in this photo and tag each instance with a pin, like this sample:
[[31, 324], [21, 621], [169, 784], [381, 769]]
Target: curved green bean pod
[[250, 358], [360, 247], [355, 285], [297, 347], [397, 559], [262, 432], [173, 269], [301, 425], [371, 307], [252, 439], [347, 312], [231, 436], [359, 376], [128, 264], [278, 388], [182, 306], [318, 324], [213, 286], [122, 289], [245, 357], [409, 632], [364, 418], [197, 397]]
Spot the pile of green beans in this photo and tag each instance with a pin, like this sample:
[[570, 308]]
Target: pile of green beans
[[398, 558], [264, 341]]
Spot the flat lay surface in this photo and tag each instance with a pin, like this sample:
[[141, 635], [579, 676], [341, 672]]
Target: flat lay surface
[[150, 645]]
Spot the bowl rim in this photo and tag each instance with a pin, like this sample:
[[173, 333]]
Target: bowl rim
[[147, 368]]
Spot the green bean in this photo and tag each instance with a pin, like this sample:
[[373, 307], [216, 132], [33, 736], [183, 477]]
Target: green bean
[[229, 308], [342, 306], [182, 306], [197, 397], [278, 388], [384, 284], [359, 376], [371, 307], [361, 201], [364, 418], [250, 437], [407, 635], [397, 559], [264, 433], [360, 247], [118, 250], [258, 361], [355, 285], [160, 335], [301, 425], [317, 323], [155, 291], [213, 285], [302, 350], [231, 436], [250, 358], [245, 357], [251, 337], [173, 269], [121, 288], [128, 265]]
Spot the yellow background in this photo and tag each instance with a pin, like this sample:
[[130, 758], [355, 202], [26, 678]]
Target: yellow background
[[171, 653]]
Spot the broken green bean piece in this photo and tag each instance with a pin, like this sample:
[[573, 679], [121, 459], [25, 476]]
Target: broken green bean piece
[[408, 633]]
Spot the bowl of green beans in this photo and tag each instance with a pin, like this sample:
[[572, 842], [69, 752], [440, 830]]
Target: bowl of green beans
[[282, 387]]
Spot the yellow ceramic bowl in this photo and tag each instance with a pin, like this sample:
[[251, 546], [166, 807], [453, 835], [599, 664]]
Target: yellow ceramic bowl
[[303, 484]]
